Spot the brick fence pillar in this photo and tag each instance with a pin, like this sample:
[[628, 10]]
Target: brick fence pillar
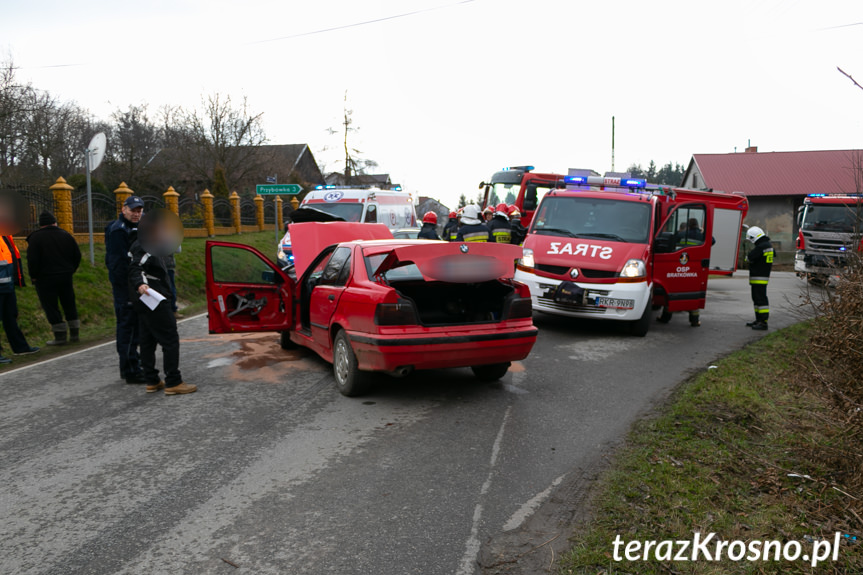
[[120, 194], [259, 212], [63, 204], [172, 200], [209, 218], [235, 211]]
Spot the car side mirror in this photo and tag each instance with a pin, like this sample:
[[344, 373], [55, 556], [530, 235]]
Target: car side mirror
[[665, 243], [270, 277]]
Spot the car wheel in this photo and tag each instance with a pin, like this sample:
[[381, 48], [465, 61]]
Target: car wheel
[[640, 327], [665, 316], [285, 341], [349, 379], [491, 372]]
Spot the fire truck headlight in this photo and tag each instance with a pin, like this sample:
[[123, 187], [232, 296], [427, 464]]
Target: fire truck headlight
[[527, 259], [633, 269]]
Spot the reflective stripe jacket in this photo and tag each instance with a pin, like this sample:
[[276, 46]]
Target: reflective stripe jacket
[[450, 230], [501, 232], [760, 261], [474, 233], [11, 272]]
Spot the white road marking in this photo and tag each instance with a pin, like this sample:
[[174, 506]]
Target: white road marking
[[468, 560], [530, 506]]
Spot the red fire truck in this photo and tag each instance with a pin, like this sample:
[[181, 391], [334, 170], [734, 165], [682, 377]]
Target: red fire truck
[[528, 188], [615, 248], [830, 229]]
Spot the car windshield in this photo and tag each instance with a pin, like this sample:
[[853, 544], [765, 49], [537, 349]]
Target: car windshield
[[407, 272], [600, 218], [830, 218], [350, 212]]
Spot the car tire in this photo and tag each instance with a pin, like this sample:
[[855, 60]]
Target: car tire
[[349, 379], [640, 327], [492, 372], [285, 341], [665, 316]]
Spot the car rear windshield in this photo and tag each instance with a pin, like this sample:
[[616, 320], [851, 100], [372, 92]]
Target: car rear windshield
[[830, 218], [600, 218], [407, 272]]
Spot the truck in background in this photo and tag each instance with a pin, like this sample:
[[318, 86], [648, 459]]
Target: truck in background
[[616, 248], [830, 229], [528, 188]]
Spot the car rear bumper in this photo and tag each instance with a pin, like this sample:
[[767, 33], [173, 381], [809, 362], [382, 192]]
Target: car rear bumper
[[540, 288], [438, 350]]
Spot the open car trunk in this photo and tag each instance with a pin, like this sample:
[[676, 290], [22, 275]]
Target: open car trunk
[[441, 303]]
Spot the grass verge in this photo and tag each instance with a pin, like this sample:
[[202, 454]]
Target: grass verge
[[721, 459], [95, 304]]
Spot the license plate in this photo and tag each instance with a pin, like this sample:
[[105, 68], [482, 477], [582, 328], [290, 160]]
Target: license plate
[[615, 302]]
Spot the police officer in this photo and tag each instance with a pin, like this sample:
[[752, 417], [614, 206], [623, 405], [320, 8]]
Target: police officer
[[429, 229], [501, 232], [119, 237], [450, 230], [760, 263], [148, 273], [472, 229]]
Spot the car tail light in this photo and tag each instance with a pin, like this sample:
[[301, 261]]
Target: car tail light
[[520, 308], [401, 313], [801, 241], [521, 289]]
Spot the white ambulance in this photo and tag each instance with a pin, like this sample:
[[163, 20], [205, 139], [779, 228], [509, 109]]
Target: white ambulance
[[394, 208]]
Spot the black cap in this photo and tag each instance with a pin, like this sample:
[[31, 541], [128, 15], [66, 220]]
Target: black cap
[[134, 202], [47, 219]]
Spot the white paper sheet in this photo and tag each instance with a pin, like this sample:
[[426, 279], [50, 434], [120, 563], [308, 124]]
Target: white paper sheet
[[151, 298]]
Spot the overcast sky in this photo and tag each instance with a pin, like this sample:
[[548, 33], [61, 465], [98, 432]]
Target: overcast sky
[[458, 90]]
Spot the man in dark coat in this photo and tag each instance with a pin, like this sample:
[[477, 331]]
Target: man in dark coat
[[119, 236], [53, 257]]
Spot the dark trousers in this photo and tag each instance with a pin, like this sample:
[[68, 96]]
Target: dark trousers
[[173, 297], [9, 317], [759, 300], [54, 288], [159, 326], [127, 334]]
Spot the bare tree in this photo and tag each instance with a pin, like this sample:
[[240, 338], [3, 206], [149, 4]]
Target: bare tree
[[354, 164], [135, 141]]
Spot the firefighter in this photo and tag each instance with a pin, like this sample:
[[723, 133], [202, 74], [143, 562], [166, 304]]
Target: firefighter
[[519, 232], [450, 230], [501, 232], [760, 263], [487, 214], [428, 231], [472, 229]]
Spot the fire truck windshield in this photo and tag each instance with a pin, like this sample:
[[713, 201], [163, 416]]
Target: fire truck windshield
[[830, 218], [350, 212], [604, 219]]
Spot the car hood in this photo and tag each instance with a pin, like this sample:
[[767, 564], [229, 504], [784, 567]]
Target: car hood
[[310, 239], [307, 214], [454, 262]]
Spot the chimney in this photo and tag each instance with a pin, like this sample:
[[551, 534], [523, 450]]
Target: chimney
[[751, 150]]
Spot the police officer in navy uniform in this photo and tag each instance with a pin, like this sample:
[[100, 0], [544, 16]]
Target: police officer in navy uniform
[[472, 229], [119, 237], [450, 230], [760, 264], [429, 231], [499, 226]]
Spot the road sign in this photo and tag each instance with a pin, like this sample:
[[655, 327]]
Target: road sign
[[93, 156], [278, 189]]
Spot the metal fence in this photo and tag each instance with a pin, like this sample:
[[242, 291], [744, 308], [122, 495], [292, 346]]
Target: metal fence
[[248, 212], [104, 212], [191, 212], [222, 213]]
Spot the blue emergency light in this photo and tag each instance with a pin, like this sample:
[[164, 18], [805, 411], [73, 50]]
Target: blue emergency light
[[633, 183], [817, 195], [577, 180]]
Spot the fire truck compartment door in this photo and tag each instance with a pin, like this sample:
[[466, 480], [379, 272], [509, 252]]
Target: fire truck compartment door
[[682, 270], [726, 232]]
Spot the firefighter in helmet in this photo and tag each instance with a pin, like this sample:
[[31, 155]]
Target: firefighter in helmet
[[519, 232], [760, 263], [472, 229], [487, 214], [429, 231], [501, 232], [450, 230]]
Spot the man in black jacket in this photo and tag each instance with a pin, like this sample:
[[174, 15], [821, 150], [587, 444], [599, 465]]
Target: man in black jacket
[[429, 229], [760, 264], [119, 236], [148, 278], [53, 257]]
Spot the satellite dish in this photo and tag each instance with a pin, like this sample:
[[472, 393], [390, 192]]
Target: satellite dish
[[96, 149]]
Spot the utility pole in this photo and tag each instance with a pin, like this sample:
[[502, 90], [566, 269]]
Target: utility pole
[[612, 143]]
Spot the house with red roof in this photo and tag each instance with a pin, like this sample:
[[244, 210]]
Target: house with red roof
[[776, 183]]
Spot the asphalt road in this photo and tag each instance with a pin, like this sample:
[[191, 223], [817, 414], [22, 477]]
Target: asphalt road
[[267, 469]]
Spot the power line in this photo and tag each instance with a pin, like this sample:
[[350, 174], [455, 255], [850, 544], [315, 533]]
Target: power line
[[356, 24]]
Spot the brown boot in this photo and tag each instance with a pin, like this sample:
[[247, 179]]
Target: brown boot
[[181, 389], [154, 387]]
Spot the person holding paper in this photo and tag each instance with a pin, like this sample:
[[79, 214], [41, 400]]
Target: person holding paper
[[159, 234]]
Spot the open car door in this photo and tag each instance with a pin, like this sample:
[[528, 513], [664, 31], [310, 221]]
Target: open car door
[[681, 261], [245, 290]]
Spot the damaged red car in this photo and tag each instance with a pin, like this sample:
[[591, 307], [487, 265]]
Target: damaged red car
[[369, 303]]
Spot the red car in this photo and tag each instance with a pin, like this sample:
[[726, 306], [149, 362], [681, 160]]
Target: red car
[[367, 302]]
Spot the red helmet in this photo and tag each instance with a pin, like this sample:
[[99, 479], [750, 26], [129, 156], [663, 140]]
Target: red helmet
[[430, 218], [513, 209], [502, 209], [453, 215]]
